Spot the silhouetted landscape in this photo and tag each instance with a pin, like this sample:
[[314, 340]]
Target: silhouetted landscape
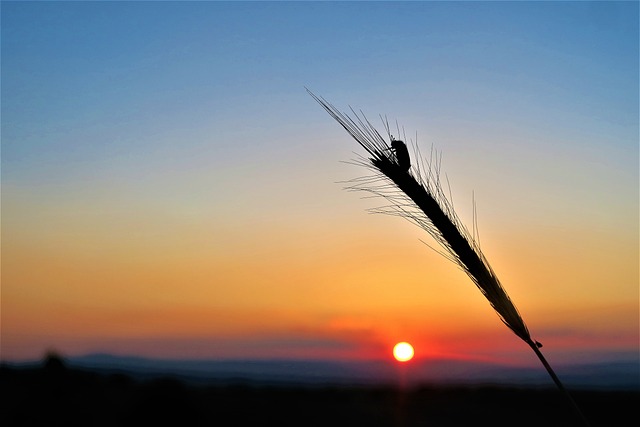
[[54, 393]]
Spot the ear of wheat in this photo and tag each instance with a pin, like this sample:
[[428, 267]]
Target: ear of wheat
[[416, 193]]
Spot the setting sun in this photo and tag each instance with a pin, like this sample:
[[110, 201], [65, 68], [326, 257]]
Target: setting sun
[[403, 352]]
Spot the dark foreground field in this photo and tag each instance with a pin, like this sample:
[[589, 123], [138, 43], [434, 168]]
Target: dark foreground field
[[55, 395]]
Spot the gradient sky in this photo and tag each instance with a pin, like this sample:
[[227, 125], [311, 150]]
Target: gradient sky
[[169, 189]]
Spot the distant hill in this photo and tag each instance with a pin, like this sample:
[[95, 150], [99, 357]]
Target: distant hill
[[622, 375]]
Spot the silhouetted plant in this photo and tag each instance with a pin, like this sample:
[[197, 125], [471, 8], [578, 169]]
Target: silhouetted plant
[[415, 192]]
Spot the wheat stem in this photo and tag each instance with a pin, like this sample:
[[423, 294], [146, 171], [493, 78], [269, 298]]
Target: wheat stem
[[558, 383]]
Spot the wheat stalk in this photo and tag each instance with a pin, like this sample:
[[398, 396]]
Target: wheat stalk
[[417, 195]]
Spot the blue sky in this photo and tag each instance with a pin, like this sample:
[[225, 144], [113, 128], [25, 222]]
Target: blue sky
[[130, 129], [100, 80]]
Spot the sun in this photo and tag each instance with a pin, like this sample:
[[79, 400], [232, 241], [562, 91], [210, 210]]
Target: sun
[[403, 352]]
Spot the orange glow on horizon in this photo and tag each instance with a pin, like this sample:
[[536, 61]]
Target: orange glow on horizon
[[295, 291]]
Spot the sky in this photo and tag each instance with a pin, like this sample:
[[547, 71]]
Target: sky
[[170, 190]]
